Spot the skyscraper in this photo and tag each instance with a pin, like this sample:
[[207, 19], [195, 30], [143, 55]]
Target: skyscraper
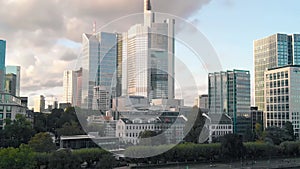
[[17, 71], [270, 52], [10, 83], [69, 85], [229, 93], [282, 97], [99, 65], [39, 103], [2, 64], [149, 58]]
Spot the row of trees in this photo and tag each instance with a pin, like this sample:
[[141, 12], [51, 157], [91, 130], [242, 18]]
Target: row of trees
[[20, 130], [231, 148], [25, 158]]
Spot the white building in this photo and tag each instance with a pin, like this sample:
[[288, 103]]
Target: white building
[[170, 126], [218, 125], [10, 106], [39, 103], [69, 85], [202, 101], [148, 62], [282, 97]]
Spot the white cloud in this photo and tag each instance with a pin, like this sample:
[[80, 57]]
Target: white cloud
[[33, 28]]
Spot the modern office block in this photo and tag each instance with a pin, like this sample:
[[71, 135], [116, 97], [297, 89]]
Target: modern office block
[[282, 97], [99, 65], [229, 93], [11, 84], [271, 52], [148, 61], [2, 64], [17, 71], [39, 104]]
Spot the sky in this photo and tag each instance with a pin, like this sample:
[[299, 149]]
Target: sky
[[44, 37]]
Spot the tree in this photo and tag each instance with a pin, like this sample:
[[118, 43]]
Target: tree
[[289, 129], [232, 146], [17, 158], [69, 129], [16, 132], [276, 135], [258, 132], [196, 127], [42, 142], [64, 159]]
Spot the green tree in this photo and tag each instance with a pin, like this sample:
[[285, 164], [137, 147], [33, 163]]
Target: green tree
[[69, 129], [258, 132], [232, 147], [195, 128], [64, 159], [16, 132], [289, 129], [17, 158], [42, 142], [276, 135]]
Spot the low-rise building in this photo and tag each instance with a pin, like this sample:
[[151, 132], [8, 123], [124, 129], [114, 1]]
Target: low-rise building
[[10, 107], [218, 125]]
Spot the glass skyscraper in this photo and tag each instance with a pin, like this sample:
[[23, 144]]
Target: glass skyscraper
[[17, 71], [148, 62], [270, 52], [99, 61], [229, 93], [2, 64]]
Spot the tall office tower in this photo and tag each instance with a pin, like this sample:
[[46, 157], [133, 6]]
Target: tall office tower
[[150, 58], [119, 64], [78, 92], [17, 71], [202, 101], [270, 52], [99, 65], [2, 64], [229, 93], [70, 86], [39, 104], [282, 97], [107, 74], [10, 83]]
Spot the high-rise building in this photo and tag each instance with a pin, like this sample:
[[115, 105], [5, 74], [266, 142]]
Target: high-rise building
[[17, 71], [282, 97], [70, 86], [39, 104], [270, 52], [10, 83], [2, 64], [148, 60], [99, 65], [202, 101], [229, 93]]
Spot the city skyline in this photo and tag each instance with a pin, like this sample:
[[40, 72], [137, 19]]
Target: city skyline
[[34, 53]]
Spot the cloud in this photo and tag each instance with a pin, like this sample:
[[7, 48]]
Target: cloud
[[33, 29]]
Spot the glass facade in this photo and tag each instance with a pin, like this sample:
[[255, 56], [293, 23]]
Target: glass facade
[[17, 71], [149, 58], [282, 97], [99, 61], [229, 93], [270, 52], [2, 63]]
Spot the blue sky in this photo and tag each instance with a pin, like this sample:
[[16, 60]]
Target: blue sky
[[232, 25]]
